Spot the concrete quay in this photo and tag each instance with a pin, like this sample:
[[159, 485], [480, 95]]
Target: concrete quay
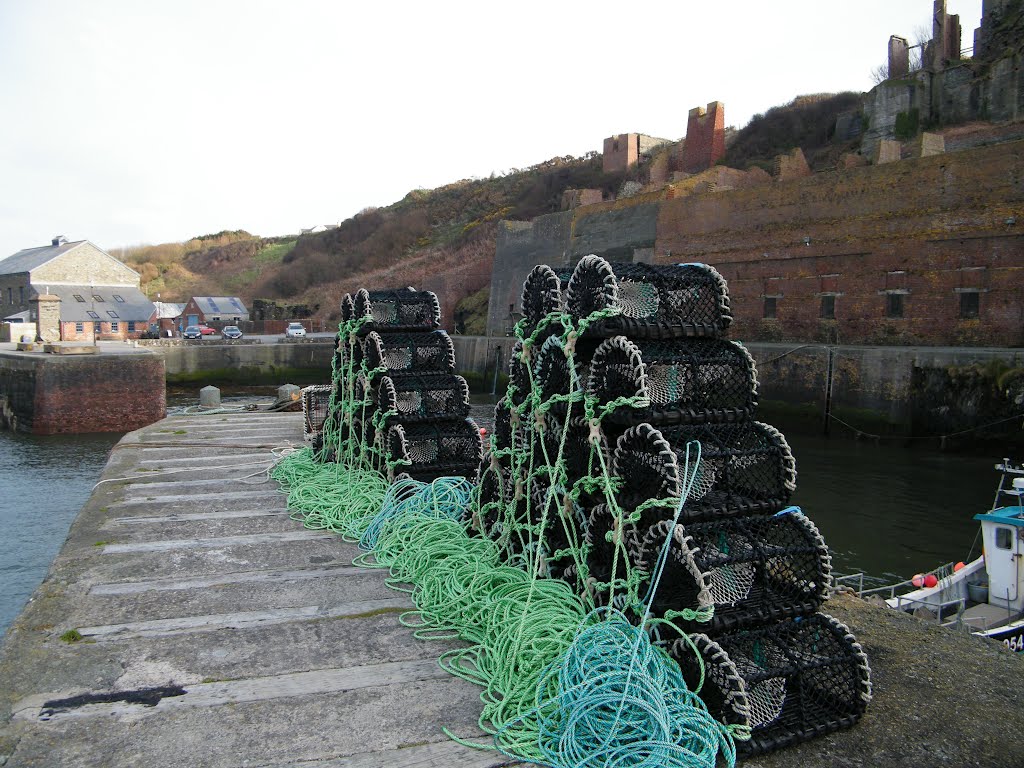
[[188, 621], [216, 631]]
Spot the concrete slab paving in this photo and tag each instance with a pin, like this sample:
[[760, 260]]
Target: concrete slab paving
[[189, 620]]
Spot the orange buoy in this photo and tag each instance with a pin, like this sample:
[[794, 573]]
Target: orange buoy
[[959, 566], [918, 580], [930, 580]]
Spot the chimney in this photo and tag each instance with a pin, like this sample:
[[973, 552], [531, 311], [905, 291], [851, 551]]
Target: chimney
[[59, 240]]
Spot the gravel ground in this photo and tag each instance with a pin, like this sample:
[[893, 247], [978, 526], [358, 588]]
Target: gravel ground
[[941, 698]]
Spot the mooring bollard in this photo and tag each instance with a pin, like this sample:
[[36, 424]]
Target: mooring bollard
[[209, 397]]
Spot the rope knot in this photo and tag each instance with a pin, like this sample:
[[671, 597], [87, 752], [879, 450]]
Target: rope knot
[[595, 432], [570, 343]]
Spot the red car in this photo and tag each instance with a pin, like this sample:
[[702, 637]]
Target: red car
[[206, 330]]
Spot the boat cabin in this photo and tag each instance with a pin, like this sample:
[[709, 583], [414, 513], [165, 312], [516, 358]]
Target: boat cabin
[[1002, 536]]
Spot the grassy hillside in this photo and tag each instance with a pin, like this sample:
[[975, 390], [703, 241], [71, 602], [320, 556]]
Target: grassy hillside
[[444, 236]]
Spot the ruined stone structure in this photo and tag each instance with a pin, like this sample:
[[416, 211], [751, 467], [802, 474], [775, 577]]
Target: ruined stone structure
[[705, 137], [899, 57], [624, 150], [921, 251], [949, 89]]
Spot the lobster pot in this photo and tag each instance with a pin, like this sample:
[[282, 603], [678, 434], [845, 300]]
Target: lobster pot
[[361, 398], [402, 310], [542, 295], [555, 377], [430, 352], [655, 301], [438, 449], [519, 377], [687, 381], [495, 491], [577, 455], [558, 524], [348, 308], [315, 401], [361, 432], [788, 682], [752, 570], [745, 468], [423, 397]]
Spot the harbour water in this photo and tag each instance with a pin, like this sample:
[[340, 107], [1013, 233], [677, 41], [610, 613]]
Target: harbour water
[[884, 510]]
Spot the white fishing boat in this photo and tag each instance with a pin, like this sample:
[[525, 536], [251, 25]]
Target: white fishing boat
[[986, 595]]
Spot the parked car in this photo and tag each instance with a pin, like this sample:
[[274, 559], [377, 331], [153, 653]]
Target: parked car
[[231, 332], [192, 332], [294, 331], [207, 330]]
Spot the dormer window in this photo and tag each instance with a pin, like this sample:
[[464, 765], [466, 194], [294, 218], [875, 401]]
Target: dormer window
[[118, 298], [97, 297], [79, 297]]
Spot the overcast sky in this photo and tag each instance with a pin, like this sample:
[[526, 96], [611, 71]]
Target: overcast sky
[[128, 121]]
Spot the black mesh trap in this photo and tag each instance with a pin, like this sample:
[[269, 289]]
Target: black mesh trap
[[542, 295], [554, 377], [520, 380], [399, 310], [788, 682], [430, 352], [315, 402], [688, 381], [745, 468], [348, 307], [437, 449], [558, 525], [752, 570], [656, 300], [423, 396]]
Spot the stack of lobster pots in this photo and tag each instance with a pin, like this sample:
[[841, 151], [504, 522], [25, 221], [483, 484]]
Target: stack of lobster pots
[[396, 389], [672, 421]]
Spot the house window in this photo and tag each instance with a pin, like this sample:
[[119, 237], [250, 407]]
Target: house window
[[10, 295], [1004, 538], [969, 305], [112, 313], [97, 297], [79, 327], [894, 305], [131, 326], [828, 308], [79, 297], [21, 294], [97, 328], [118, 298], [770, 306], [93, 315], [114, 327]]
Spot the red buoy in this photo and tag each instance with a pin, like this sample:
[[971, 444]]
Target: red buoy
[[930, 580], [959, 566], [918, 580]]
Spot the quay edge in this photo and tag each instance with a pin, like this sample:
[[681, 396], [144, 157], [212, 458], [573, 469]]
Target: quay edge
[[257, 642]]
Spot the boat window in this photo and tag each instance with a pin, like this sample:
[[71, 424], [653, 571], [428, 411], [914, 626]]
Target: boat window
[[1004, 538]]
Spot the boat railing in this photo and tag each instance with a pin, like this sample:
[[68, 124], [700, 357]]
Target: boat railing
[[938, 610], [855, 581]]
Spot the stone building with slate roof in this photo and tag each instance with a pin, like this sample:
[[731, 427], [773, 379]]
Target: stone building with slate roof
[[100, 297]]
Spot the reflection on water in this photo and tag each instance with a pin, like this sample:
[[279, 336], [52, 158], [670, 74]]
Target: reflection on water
[[889, 511], [45, 481]]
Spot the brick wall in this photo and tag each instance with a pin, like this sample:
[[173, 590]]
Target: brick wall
[[72, 395], [940, 221]]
